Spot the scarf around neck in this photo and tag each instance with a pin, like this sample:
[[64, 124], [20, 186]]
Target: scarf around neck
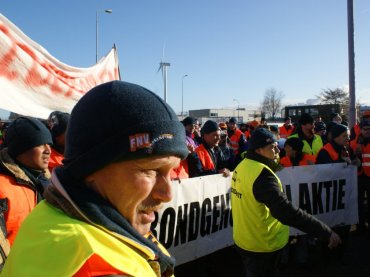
[[101, 212]]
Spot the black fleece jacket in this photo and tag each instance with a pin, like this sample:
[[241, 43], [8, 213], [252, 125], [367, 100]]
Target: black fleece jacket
[[267, 191]]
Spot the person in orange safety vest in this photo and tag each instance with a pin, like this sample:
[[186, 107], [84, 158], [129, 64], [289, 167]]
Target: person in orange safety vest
[[23, 174]]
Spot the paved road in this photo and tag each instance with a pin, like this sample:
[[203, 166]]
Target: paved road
[[354, 263]]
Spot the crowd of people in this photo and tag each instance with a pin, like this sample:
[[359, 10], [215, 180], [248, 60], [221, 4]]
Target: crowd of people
[[81, 190]]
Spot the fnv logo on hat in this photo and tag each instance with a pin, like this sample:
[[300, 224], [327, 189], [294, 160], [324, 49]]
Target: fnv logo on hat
[[139, 141]]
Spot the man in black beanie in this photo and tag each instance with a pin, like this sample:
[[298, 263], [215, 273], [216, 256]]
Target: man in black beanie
[[209, 158], [23, 171], [262, 211], [312, 143], [122, 142]]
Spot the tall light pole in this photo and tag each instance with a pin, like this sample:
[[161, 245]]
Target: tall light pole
[[351, 65], [182, 96], [236, 100], [97, 32]]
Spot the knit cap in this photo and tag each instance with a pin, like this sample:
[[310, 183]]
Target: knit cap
[[337, 130], [260, 138], [209, 127], [189, 121], [305, 119], [118, 121], [25, 133], [295, 143]]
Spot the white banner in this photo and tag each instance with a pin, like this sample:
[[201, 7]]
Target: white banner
[[198, 221], [34, 83]]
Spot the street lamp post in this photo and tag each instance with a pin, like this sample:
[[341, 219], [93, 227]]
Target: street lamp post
[[182, 96], [236, 100], [97, 32]]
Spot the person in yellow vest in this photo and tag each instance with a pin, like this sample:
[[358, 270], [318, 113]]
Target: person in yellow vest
[[122, 143], [361, 147], [312, 143], [262, 212]]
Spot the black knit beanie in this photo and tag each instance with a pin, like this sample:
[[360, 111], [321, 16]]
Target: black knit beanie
[[25, 133], [260, 138], [119, 121], [337, 130], [189, 121], [305, 119], [209, 127], [295, 143]]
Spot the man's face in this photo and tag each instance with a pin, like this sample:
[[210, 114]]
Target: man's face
[[365, 132], [289, 151], [337, 119], [212, 139], [308, 130], [190, 128], [136, 188], [288, 122], [270, 151], [36, 158], [342, 139], [231, 125]]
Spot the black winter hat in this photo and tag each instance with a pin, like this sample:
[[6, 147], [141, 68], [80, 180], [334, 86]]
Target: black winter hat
[[295, 143], [337, 130], [305, 119], [330, 126], [260, 138], [233, 120], [118, 121], [189, 121], [320, 126], [209, 127], [25, 133], [58, 124]]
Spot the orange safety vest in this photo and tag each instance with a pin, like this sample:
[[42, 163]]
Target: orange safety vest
[[331, 151], [21, 200], [286, 162], [180, 172], [55, 160], [234, 141], [247, 134], [365, 157], [284, 132], [357, 130], [205, 158]]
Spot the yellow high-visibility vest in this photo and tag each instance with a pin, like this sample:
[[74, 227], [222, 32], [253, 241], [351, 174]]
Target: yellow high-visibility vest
[[50, 243], [254, 228]]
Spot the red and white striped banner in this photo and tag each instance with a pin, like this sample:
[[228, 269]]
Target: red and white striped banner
[[34, 83]]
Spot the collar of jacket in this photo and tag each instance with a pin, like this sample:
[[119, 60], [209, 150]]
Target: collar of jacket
[[79, 201], [252, 155], [9, 167]]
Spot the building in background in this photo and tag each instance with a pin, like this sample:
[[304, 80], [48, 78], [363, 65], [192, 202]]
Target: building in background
[[243, 115]]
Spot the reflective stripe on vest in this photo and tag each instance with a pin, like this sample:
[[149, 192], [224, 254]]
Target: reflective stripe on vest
[[66, 243], [366, 159], [254, 228], [205, 158]]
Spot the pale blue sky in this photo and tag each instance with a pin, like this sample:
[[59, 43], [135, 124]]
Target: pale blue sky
[[231, 49]]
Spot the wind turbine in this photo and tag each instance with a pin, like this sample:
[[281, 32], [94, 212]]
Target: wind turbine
[[163, 67]]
